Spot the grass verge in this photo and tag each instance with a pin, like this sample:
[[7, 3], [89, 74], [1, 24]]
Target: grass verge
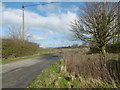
[[53, 77], [22, 58]]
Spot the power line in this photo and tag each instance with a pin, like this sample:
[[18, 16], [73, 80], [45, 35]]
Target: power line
[[23, 6], [11, 5], [39, 4]]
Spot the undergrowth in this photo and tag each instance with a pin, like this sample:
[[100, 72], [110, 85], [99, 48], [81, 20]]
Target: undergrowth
[[55, 77]]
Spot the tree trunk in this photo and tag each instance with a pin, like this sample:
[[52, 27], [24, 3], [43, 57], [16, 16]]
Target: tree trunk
[[102, 50]]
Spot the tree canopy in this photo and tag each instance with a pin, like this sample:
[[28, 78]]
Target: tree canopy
[[98, 23]]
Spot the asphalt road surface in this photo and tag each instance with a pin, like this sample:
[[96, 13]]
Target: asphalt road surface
[[19, 74]]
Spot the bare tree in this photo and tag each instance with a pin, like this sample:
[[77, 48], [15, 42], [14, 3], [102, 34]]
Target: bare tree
[[14, 33], [97, 23]]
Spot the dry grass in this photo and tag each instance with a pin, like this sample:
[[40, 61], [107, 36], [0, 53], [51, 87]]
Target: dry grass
[[106, 68], [53, 77]]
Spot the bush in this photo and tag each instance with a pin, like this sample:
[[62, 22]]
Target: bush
[[113, 48], [94, 49], [17, 48], [93, 66], [110, 48]]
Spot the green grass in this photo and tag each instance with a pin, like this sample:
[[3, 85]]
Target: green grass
[[53, 77], [43, 52], [22, 58]]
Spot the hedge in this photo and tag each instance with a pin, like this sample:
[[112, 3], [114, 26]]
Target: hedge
[[17, 48], [110, 48]]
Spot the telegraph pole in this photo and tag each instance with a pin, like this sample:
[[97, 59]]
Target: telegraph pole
[[23, 7], [22, 36]]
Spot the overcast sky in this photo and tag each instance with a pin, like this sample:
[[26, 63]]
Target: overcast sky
[[48, 24]]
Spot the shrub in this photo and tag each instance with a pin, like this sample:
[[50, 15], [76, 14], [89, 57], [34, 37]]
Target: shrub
[[94, 49], [110, 48], [113, 48], [92, 66], [17, 48]]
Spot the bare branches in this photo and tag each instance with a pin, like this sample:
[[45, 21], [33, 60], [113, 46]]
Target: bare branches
[[14, 33], [98, 23]]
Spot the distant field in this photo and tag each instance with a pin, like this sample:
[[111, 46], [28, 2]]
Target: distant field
[[55, 50]]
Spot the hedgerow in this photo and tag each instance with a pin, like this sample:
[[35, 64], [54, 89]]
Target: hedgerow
[[18, 48]]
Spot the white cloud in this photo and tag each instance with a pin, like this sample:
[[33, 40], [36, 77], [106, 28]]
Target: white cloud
[[49, 8], [12, 17], [52, 23], [56, 8], [56, 44], [51, 32], [1, 9], [38, 38]]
